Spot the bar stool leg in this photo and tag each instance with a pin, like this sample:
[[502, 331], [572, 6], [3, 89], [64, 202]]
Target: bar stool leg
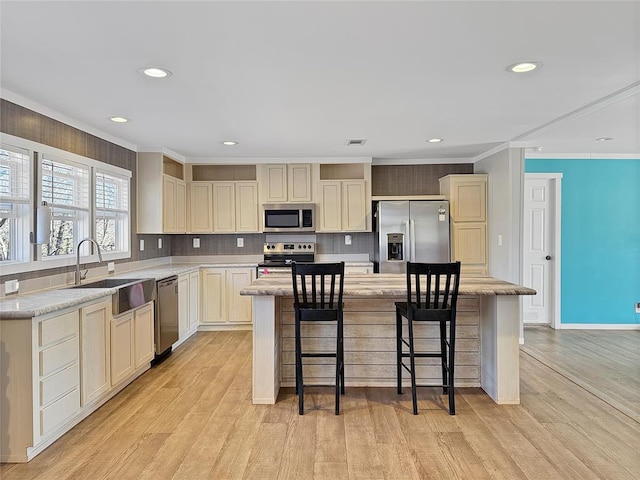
[[443, 356], [452, 342], [414, 394], [399, 349], [341, 326], [299, 381]]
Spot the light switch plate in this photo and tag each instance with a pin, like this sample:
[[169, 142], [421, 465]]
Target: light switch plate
[[159, 243], [638, 307], [111, 267], [240, 242], [347, 239], [196, 243], [141, 244]]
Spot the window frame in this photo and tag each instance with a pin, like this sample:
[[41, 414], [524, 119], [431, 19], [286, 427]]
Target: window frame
[[35, 261], [22, 213]]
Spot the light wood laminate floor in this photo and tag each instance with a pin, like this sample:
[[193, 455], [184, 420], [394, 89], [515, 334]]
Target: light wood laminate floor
[[604, 362], [191, 418]]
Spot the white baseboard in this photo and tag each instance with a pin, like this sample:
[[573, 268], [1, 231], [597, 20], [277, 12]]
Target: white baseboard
[[600, 326]]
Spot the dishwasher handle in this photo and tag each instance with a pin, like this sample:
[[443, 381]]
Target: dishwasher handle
[[166, 282]]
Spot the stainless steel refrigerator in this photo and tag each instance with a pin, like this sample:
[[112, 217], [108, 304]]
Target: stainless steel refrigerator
[[414, 231]]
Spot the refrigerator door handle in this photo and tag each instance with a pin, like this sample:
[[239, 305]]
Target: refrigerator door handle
[[408, 241], [412, 224]]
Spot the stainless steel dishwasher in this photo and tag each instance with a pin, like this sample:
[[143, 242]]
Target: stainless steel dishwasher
[[166, 321]]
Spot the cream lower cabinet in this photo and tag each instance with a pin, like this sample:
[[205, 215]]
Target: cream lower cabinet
[[131, 342], [342, 206], [194, 300], [188, 304], [222, 303], [143, 335], [122, 359], [95, 351]]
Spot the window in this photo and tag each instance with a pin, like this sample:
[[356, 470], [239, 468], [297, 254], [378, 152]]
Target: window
[[65, 187], [112, 212], [15, 174]]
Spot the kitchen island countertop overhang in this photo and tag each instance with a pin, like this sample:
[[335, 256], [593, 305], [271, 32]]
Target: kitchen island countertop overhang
[[489, 316]]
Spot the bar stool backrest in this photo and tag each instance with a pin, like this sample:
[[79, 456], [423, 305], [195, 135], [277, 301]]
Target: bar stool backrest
[[432, 290], [318, 286]]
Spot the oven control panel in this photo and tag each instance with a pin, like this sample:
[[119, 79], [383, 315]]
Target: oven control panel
[[291, 248]]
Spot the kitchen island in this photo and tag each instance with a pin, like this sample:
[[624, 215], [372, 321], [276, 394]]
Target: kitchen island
[[487, 342]]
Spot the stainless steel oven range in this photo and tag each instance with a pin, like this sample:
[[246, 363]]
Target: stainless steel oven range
[[278, 256]]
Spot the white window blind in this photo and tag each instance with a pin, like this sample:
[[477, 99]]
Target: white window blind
[[15, 174], [65, 184], [112, 211]]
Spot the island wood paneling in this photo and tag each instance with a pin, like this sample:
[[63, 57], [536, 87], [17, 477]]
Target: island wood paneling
[[370, 345], [403, 180]]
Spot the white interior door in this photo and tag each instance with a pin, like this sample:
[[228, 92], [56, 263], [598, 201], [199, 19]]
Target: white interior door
[[539, 255]]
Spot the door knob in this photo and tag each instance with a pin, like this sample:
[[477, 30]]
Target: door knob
[[548, 257]]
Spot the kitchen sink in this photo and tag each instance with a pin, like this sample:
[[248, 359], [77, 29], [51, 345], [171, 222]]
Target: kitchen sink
[[130, 292]]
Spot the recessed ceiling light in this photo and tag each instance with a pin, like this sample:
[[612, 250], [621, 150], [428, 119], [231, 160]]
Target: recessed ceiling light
[[155, 72], [523, 67], [229, 143], [357, 142], [604, 139], [434, 140], [119, 119]]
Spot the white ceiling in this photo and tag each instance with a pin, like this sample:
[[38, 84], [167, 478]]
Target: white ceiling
[[297, 79]]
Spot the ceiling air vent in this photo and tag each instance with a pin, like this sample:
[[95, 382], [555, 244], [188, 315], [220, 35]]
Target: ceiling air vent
[[357, 141]]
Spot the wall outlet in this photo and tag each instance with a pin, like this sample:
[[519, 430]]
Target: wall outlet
[[11, 286], [499, 240], [111, 267], [347, 239], [141, 245], [240, 242], [196, 243], [159, 243], [638, 307]]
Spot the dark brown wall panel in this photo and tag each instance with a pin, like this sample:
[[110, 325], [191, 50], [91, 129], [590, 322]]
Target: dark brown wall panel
[[412, 179]]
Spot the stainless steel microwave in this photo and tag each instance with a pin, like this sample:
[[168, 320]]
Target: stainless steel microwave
[[289, 217]]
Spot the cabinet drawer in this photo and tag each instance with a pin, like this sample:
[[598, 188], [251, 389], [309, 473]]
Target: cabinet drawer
[[55, 386], [58, 356], [59, 411], [57, 328]]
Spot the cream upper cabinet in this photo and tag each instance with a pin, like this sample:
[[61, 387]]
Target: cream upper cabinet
[[95, 351], [246, 207], [299, 182], [330, 211], [286, 183], [467, 196], [343, 206], [160, 194], [174, 205], [354, 216], [200, 207], [224, 207], [343, 197], [221, 299]]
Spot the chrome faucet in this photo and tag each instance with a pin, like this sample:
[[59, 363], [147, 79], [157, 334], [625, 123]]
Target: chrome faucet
[[80, 277]]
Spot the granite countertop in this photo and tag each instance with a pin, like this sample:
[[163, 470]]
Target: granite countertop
[[386, 284], [47, 301]]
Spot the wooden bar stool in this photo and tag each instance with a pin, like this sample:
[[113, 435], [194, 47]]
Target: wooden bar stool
[[432, 296], [317, 298]]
